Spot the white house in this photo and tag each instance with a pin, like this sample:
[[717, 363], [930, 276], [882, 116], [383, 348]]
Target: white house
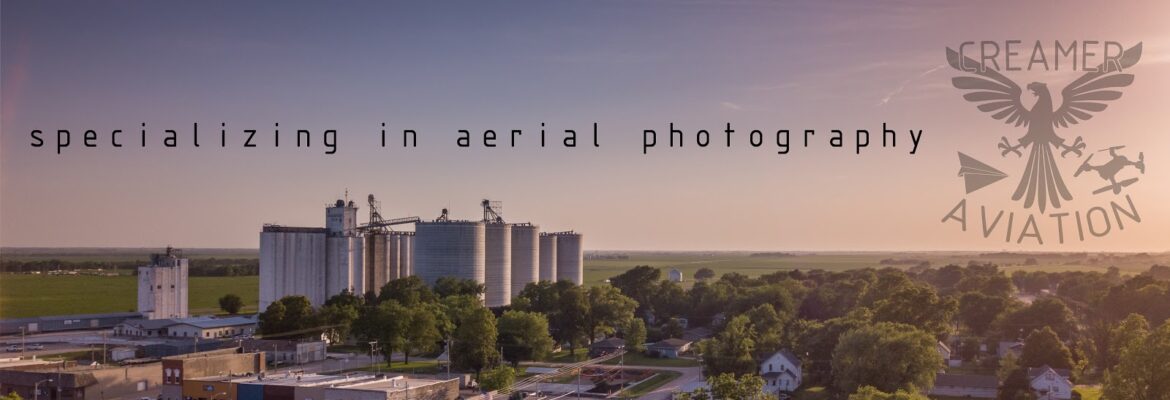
[[1050, 384], [781, 372]]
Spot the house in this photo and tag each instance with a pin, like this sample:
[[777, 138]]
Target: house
[[1050, 384], [607, 346], [676, 275], [1014, 348], [668, 348], [943, 350], [781, 372], [973, 386]]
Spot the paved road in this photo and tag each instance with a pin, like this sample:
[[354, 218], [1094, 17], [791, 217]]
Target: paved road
[[689, 375]]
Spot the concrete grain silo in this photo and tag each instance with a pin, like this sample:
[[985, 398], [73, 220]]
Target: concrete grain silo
[[393, 245], [377, 260], [447, 248], [548, 257], [498, 264], [407, 258], [525, 256], [570, 257]]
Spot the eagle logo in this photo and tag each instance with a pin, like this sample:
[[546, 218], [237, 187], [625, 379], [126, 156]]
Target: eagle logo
[[1041, 184]]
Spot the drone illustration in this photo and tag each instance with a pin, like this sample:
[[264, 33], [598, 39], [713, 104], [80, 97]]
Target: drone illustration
[[1108, 171]]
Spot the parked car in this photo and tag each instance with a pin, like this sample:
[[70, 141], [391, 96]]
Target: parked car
[[12, 348], [36, 346]]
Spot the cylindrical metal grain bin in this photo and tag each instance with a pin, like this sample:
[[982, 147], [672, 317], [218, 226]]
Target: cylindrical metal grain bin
[[525, 256]]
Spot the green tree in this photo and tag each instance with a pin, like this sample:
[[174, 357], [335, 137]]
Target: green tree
[[672, 329], [1043, 347], [1044, 312], [11, 396], [289, 317], [638, 283], [407, 291], [569, 322], [919, 306], [497, 378], [978, 310], [385, 323], [423, 331], [338, 314], [1133, 328], [872, 393], [524, 336], [608, 309], [768, 328], [1143, 371], [888, 356], [742, 387], [704, 273], [731, 350], [474, 346], [1016, 385], [635, 334], [451, 286], [231, 303]]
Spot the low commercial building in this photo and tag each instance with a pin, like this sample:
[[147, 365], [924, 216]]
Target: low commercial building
[[287, 351], [292, 386], [69, 381], [58, 323], [195, 327], [177, 370]]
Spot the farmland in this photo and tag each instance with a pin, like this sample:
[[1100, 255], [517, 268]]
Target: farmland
[[25, 295]]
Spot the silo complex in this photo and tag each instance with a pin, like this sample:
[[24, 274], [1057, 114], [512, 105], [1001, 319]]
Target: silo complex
[[497, 264], [548, 257], [448, 248], [570, 257], [319, 263], [525, 256]]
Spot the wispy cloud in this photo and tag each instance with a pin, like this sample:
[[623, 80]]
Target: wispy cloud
[[890, 96], [731, 106]]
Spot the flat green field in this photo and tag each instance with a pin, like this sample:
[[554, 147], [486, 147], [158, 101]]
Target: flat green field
[[598, 270], [39, 295]]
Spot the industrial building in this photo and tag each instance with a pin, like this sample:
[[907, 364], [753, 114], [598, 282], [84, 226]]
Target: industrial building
[[60, 323], [313, 262], [162, 286], [321, 262]]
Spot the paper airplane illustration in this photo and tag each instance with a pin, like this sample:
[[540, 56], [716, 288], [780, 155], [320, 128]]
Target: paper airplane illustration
[[976, 174]]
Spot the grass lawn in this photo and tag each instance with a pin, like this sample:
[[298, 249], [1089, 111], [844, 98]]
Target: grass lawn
[[1089, 392], [565, 357], [812, 393], [39, 295], [651, 384], [643, 360]]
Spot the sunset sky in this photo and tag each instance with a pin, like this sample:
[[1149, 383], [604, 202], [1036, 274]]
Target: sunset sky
[[628, 66]]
